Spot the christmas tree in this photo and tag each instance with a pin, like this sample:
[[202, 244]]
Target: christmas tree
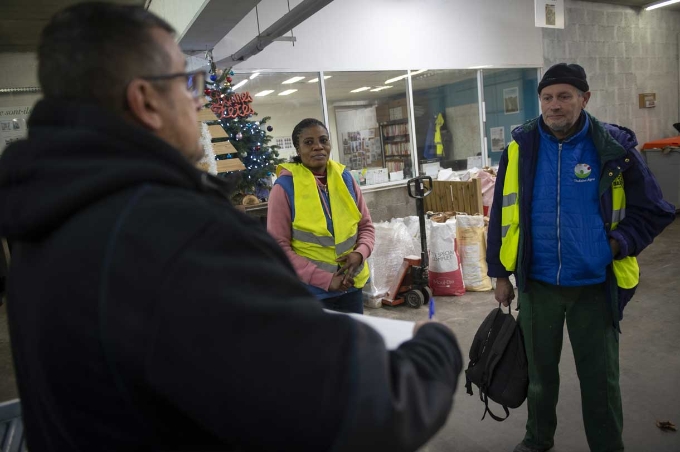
[[248, 136]]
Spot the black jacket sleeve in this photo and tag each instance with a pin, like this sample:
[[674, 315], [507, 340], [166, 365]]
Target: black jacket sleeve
[[242, 348]]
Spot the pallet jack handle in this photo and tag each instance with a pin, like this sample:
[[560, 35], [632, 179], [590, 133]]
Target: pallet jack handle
[[420, 194]]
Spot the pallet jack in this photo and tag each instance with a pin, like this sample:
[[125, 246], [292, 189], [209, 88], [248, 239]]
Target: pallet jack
[[411, 287]]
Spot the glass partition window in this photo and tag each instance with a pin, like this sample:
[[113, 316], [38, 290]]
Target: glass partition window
[[446, 119], [511, 99], [369, 124], [287, 97]]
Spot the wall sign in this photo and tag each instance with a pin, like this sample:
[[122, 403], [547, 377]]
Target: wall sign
[[13, 124], [647, 100], [549, 13]]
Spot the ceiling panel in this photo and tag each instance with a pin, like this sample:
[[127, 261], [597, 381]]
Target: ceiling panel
[[213, 23], [635, 3], [21, 21]]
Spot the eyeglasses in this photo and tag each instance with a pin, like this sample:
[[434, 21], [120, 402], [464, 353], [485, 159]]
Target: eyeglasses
[[195, 81]]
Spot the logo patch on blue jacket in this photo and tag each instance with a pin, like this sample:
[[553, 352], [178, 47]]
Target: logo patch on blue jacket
[[582, 171]]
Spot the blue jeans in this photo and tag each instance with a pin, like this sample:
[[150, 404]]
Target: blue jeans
[[349, 302]]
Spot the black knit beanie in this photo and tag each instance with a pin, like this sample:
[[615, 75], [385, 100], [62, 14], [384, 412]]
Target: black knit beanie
[[571, 74]]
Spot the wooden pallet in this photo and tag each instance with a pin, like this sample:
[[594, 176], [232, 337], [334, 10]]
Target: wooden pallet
[[456, 196]]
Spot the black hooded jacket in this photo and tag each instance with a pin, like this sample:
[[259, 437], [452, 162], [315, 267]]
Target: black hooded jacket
[[146, 313]]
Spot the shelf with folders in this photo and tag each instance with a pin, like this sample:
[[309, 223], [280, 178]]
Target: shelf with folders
[[396, 143]]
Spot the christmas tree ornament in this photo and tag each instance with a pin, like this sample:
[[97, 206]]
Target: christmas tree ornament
[[229, 79], [213, 77], [231, 72], [219, 71], [207, 91], [239, 136], [269, 129]]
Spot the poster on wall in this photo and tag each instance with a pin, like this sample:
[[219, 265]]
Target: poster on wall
[[497, 139], [12, 124], [549, 13], [511, 100]]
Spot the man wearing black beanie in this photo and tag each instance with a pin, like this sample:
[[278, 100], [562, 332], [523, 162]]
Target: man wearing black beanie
[[574, 204]]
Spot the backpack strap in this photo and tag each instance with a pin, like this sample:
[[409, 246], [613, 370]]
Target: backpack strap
[[487, 410], [500, 344]]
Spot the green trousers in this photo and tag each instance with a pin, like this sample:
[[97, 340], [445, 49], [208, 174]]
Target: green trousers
[[542, 313]]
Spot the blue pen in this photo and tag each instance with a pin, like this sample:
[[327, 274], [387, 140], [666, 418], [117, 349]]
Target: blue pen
[[431, 307]]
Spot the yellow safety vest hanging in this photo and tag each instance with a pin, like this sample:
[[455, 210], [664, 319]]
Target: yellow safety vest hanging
[[626, 270], [439, 122], [311, 238]]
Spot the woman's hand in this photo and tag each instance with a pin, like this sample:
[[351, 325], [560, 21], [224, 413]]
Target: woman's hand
[[341, 282], [350, 265]]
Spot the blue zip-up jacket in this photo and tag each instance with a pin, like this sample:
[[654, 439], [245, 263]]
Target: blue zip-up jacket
[[570, 243], [647, 213]]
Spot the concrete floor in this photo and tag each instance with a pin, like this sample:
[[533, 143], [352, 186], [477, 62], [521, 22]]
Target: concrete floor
[[650, 366]]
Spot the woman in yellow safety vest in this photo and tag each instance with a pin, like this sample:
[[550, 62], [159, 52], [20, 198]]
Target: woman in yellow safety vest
[[319, 217]]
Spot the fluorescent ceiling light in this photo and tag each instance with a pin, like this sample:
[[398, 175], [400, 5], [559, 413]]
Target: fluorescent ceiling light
[[358, 90], [418, 72], [380, 88], [254, 75], [291, 80], [481, 67], [287, 92], [395, 79], [655, 5], [240, 84], [325, 77], [264, 93]]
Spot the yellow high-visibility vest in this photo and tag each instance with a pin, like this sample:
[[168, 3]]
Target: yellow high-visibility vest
[[439, 146], [626, 270], [311, 238]]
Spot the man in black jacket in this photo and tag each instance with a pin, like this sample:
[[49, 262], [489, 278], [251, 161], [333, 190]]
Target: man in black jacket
[[146, 313]]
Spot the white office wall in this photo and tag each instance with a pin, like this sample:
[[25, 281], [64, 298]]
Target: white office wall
[[625, 52], [178, 13], [19, 70], [349, 35], [284, 118]]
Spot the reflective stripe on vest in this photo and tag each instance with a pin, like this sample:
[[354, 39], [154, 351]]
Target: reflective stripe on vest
[[626, 270], [510, 210], [311, 238]]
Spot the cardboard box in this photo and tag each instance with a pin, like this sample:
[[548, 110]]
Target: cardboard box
[[382, 113], [398, 103], [430, 169], [396, 113], [376, 176], [397, 175]]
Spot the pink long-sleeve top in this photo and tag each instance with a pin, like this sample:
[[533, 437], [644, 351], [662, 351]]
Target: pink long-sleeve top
[[279, 225]]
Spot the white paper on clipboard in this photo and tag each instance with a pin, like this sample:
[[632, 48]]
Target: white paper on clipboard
[[393, 332]]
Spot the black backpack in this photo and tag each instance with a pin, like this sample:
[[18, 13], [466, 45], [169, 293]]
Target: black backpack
[[498, 363]]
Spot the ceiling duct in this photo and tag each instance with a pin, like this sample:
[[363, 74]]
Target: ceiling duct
[[290, 20]]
